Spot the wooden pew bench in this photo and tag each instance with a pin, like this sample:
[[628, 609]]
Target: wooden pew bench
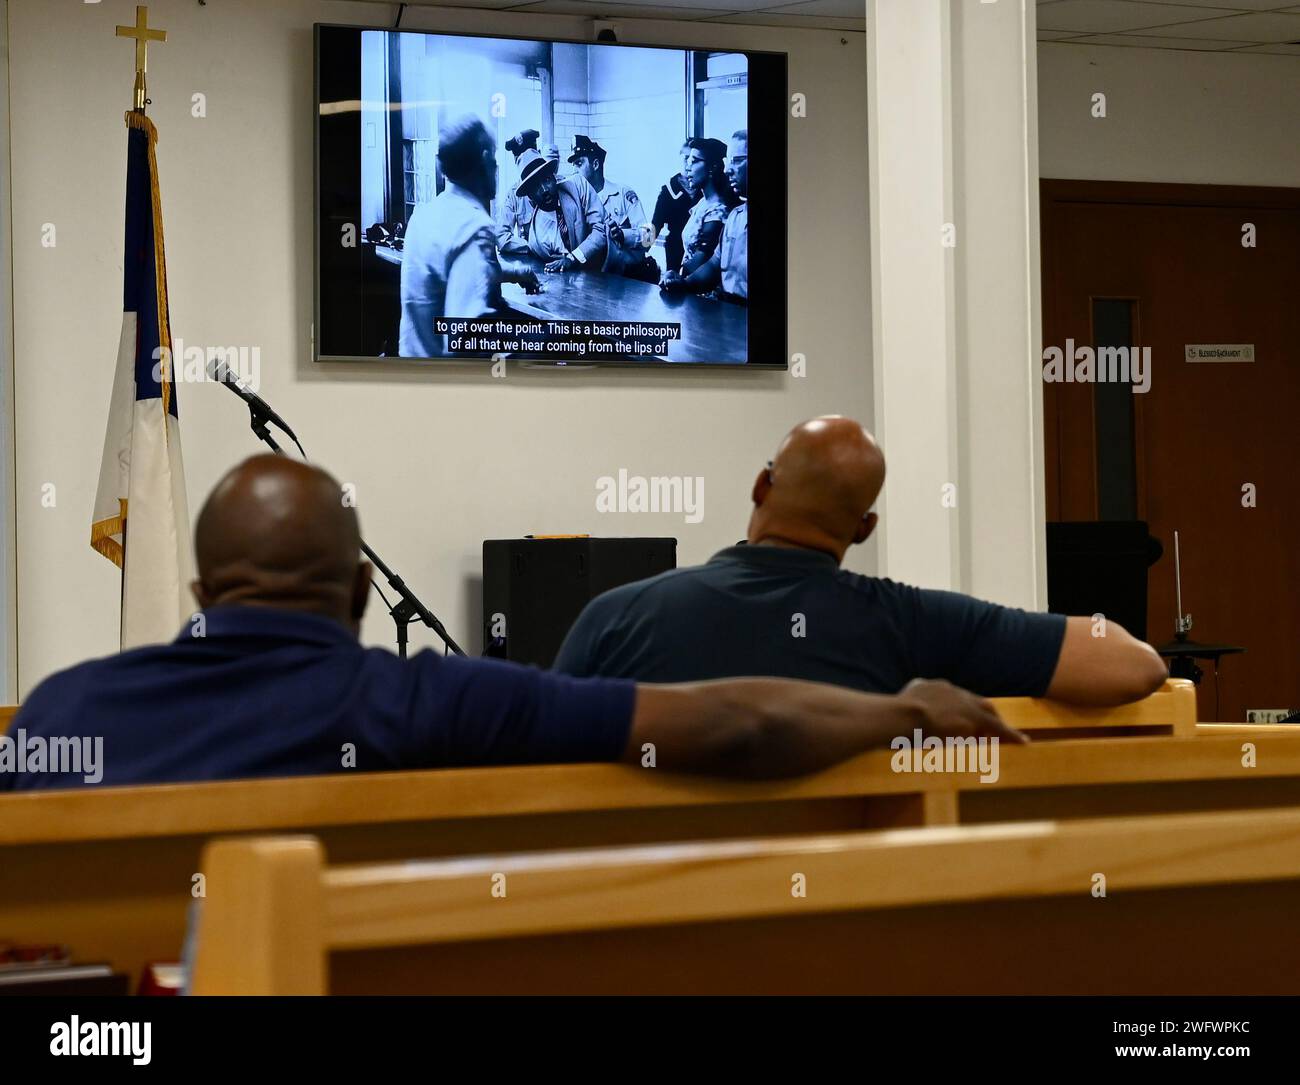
[[1247, 729], [110, 871], [1171, 710], [1194, 903]]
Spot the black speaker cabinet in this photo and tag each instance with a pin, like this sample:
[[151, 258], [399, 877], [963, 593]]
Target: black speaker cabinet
[[534, 589], [1101, 568]]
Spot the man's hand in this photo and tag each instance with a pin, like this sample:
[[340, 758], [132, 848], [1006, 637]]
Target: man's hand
[[615, 232], [762, 728], [562, 264], [672, 283], [948, 710]]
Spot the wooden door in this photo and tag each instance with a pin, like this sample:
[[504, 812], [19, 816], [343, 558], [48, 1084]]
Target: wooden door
[[1205, 432]]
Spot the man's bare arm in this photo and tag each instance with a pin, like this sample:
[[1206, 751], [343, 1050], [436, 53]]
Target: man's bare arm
[[1108, 670], [760, 728]]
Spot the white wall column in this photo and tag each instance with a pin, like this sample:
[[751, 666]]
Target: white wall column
[[913, 365], [955, 294], [8, 511]]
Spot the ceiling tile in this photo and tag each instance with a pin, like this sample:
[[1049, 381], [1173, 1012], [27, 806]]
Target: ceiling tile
[[1236, 5], [838, 9], [1278, 50], [602, 10], [1117, 16], [1257, 27], [490, 4], [1148, 41], [1055, 35], [615, 8], [797, 22]]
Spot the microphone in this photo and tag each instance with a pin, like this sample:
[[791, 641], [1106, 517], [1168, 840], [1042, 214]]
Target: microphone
[[220, 372]]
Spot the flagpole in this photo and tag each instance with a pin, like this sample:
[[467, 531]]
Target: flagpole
[[141, 492]]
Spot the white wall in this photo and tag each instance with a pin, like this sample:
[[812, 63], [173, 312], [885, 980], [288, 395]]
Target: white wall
[[1171, 115], [442, 458]]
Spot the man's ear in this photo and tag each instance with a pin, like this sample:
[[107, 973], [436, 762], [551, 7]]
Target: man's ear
[[865, 527], [201, 595], [762, 486], [361, 590]]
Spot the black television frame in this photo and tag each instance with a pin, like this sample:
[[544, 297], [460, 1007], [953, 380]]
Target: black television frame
[[768, 116]]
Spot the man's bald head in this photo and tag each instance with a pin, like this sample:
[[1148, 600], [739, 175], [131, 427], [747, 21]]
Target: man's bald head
[[275, 532], [818, 493]]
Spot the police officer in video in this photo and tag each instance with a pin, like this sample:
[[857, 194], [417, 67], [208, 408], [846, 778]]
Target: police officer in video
[[625, 217]]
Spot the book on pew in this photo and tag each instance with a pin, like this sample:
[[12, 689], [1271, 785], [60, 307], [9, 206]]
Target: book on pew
[[161, 979]]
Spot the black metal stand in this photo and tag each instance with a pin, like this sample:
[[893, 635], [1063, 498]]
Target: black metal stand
[[408, 606], [1183, 653]]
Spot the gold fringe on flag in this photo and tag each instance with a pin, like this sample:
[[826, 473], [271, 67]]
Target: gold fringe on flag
[[102, 532]]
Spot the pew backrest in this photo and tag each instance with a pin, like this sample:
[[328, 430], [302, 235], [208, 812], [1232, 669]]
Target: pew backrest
[[275, 912]]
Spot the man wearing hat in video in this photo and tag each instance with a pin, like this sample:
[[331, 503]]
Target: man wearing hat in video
[[567, 229], [515, 213], [625, 217]]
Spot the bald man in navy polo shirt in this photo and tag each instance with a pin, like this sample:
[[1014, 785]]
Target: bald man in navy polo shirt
[[781, 605], [270, 680]]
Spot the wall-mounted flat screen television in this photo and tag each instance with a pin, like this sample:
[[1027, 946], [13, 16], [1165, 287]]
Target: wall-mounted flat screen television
[[548, 201]]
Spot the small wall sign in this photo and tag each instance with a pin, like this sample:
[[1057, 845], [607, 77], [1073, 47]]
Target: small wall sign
[[1219, 352]]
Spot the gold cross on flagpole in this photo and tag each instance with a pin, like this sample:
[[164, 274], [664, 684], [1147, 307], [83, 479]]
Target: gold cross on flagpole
[[143, 35]]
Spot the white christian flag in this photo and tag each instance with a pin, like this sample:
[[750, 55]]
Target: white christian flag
[[141, 521]]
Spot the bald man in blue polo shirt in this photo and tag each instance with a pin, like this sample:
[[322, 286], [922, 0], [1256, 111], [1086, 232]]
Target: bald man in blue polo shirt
[[781, 605], [269, 679]]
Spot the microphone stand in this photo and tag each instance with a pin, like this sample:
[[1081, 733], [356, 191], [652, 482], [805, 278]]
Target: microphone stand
[[408, 607]]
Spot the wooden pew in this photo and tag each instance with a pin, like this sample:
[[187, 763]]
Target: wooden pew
[[110, 871], [1171, 710], [1196, 903], [1247, 729]]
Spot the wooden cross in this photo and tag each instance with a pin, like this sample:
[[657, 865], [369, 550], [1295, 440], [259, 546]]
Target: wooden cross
[[143, 35]]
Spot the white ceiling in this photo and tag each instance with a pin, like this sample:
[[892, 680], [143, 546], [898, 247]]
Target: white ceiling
[[1221, 26], [1245, 26], [808, 14]]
